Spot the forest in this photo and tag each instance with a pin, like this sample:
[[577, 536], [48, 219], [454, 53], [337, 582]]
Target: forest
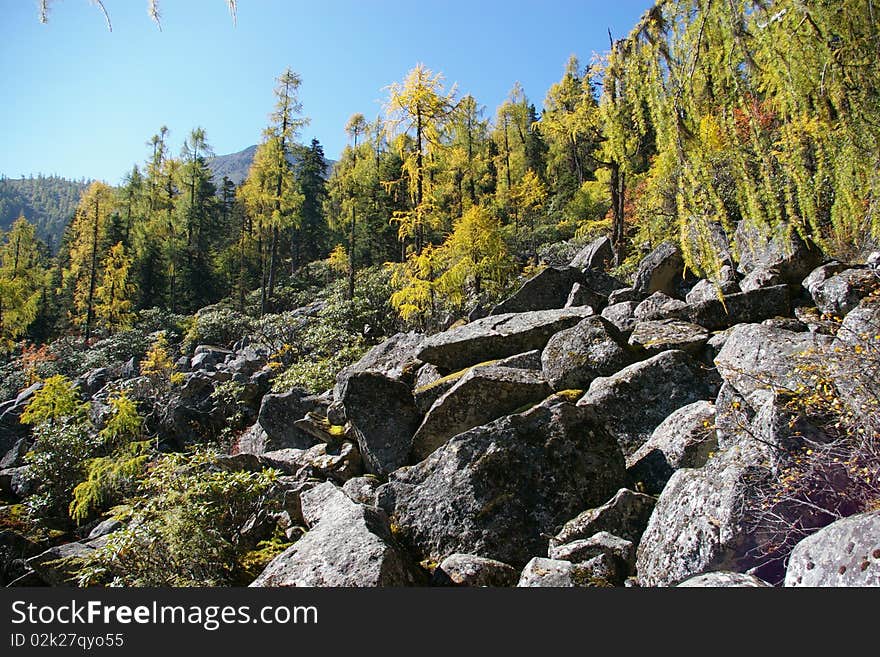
[[705, 117]]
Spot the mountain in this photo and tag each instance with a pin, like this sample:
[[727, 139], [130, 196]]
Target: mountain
[[49, 202], [235, 166]]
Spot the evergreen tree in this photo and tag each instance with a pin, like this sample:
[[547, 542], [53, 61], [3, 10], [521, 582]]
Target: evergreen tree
[[22, 281]]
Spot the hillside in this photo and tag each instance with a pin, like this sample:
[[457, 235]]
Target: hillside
[[48, 202], [235, 166]]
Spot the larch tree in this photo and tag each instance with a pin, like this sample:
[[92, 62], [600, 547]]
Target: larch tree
[[355, 128], [22, 279], [113, 297], [89, 224]]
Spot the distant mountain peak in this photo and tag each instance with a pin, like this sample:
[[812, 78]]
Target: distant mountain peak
[[235, 166]]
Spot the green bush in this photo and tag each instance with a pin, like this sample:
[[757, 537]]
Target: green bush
[[221, 327]]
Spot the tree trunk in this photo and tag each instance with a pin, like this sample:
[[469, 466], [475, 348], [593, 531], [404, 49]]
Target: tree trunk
[[93, 274]]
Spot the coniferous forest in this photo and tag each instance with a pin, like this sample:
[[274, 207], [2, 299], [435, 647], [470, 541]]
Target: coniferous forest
[[481, 328]]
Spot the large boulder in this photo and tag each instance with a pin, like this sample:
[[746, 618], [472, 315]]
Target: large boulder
[[598, 254], [11, 430], [384, 417], [498, 336], [653, 337], [496, 491], [347, 544], [471, 570], [855, 359], [395, 358], [702, 520], [622, 315], [576, 356], [57, 566], [842, 292], [724, 579], [745, 307], [554, 573], [617, 549], [845, 553], [279, 412], [483, 394], [634, 401], [545, 290], [660, 306], [685, 439], [759, 357], [581, 295], [781, 249], [625, 515], [706, 290], [660, 271]]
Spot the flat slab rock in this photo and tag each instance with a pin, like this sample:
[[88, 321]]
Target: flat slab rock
[[724, 579], [655, 337], [845, 553], [347, 544], [497, 490], [471, 570], [498, 336]]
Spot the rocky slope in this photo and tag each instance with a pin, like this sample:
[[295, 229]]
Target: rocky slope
[[586, 432]]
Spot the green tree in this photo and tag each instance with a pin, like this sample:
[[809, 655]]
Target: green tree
[[22, 281], [113, 296]]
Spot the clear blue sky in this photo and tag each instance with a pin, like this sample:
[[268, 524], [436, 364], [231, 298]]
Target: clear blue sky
[[79, 101]]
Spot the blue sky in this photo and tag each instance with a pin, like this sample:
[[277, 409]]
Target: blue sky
[[79, 101]]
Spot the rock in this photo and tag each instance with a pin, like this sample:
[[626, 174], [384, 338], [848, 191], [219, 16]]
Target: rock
[[14, 458], [821, 274], [57, 565], [92, 381], [104, 528], [654, 337], [724, 579], [581, 295], [781, 249], [785, 324], [484, 394], [552, 573], [633, 402], [577, 355], [842, 292], [383, 413], [625, 515], [207, 357], [683, 440], [660, 270], [426, 375], [470, 570], [347, 544], [601, 283], [622, 315], [757, 357], [585, 549], [395, 358], [498, 336], [625, 294], [362, 489], [17, 482], [11, 430], [706, 290], [598, 254], [660, 306], [759, 278], [279, 412], [855, 360], [845, 553], [336, 414], [743, 308], [701, 521], [15, 548], [496, 490], [545, 290]]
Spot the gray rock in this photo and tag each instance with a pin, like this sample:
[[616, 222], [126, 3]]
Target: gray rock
[[856, 363], [384, 416], [57, 565], [625, 294], [104, 528], [743, 308], [821, 274], [625, 515], [601, 283], [785, 324], [498, 336], [484, 394], [706, 290], [496, 490], [279, 412], [14, 458], [11, 430], [362, 489], [207, 357], [701, 521], [581, 295], [757, 357], [17, 482], [585, 549], [683, 440], [347, 544], [598, 254], [654, 337], [660, 270], [545, 290], [842, 292], [471, 570], [724, 579], [759, 278], [551, 573], [576, 356], [395, 358], [780, 249], [845, 553], [633, 402], [622, 315], [660, 306]]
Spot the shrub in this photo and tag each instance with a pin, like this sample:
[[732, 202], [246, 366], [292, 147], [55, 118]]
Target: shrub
[[217, 326]]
